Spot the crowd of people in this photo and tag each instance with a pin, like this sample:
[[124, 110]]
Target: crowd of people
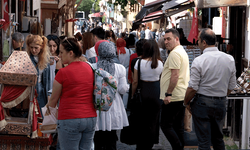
[[167, 86]]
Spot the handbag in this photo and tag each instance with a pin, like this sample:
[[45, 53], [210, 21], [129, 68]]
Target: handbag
[[49, 123], [130, 134], [136, 101]]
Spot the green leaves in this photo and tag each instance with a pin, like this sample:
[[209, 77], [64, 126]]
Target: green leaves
[[86, 6], [123, 3]]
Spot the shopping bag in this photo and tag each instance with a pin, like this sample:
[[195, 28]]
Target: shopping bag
[[49, 123], [130, 134]]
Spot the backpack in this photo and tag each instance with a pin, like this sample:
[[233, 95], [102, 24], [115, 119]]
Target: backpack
[[142, 34], [105, 88]]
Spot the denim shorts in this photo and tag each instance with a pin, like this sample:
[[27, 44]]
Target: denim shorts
[[75, 134]]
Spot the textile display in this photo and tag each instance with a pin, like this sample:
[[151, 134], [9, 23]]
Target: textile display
[[194, 30], [13, 95], [6, 15]]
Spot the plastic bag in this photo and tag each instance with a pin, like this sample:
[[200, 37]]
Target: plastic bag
[[49, 123]]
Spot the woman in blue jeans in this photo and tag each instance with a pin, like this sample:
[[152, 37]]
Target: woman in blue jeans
[[73, 84]]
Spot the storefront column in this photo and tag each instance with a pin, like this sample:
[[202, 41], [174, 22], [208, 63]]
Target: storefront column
[[1, 48], [245, 143]]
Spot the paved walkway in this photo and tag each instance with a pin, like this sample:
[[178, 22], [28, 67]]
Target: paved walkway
[[162, 141]]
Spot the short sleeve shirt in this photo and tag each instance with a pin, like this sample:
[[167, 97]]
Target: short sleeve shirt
[[76, 100], [177, 59]]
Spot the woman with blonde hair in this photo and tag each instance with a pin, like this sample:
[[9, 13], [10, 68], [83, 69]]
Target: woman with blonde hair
[[39, 54]]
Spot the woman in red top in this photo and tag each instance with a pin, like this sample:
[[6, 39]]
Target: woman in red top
[[73, 84]]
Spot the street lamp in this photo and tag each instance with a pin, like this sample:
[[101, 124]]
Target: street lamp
[[92, 10]]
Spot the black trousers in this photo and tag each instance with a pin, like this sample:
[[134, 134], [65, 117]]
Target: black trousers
[[149, 115], [172, 124], [105, 140]]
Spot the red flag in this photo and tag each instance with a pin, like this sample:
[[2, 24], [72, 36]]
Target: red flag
[[193, 34], [224, 22], [6, 15]]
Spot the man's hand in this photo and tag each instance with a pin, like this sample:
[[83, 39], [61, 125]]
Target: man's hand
[[167, 100]]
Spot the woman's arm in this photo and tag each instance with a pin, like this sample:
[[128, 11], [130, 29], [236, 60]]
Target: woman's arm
[[135, 81], [56, 92], [59, 64], [123, 86]]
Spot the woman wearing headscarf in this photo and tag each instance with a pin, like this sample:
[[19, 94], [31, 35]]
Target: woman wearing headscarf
[[115, 118], [123, 53], [123, 56]]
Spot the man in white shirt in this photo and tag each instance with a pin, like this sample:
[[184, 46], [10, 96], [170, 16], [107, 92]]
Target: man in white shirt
[[148, 34], [212, 79]]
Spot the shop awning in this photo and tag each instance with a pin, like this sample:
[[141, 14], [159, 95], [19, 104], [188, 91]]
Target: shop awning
[[172, 4], [145, 11], [150, 17], [154, 14], [181, 8], [154, 3], [219, 3], [99, 14]]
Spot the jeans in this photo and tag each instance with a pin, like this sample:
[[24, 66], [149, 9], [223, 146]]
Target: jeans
[[172, 124], [76, 134], [208, 116]]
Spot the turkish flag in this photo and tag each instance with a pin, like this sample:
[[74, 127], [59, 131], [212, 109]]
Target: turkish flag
[[6, 15], [193, 34]]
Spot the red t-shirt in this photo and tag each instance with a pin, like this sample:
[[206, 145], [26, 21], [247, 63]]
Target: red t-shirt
[[76, 100]]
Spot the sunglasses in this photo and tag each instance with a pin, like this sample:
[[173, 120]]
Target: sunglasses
[[52, 37], [67, 42]]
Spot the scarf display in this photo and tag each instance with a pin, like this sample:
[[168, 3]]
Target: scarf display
[[13, 95], [107, 54]]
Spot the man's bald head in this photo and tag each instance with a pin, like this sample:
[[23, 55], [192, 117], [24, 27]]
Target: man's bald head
[[208, 36]]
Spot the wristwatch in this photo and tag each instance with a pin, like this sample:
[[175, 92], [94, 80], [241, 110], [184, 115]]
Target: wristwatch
[[166, 94], [186, 105]]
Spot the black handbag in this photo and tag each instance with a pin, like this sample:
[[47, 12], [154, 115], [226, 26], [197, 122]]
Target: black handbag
[[129, 135], [136, 101]]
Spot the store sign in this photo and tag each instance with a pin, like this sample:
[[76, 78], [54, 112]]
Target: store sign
[[219, 3]]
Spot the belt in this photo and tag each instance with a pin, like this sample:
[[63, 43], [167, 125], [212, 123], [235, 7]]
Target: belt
[[211, 97], [149, 81]]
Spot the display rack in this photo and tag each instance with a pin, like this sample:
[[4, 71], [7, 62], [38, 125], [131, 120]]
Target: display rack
[[193, 52]]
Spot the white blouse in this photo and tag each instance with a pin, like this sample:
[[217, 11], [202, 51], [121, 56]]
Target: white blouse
[[124, 58], [147, 73], [91, 52]]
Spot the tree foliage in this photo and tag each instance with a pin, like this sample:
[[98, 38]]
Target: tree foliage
[[123, 3], [86, 6]]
